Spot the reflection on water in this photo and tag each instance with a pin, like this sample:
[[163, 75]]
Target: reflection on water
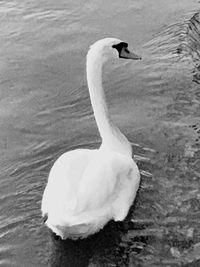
[[79, 253], [45, 111]]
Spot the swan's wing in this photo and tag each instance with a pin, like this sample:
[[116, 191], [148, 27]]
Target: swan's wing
[[104, 180], [63, 181]]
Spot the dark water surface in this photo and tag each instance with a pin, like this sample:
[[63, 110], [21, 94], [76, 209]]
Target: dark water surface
[[45, 111]]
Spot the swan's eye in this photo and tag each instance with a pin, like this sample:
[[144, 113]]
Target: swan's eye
[[120, 46]]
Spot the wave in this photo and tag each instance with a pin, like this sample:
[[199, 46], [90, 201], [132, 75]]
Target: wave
[[179, 42], [192, 44], [180, 38]]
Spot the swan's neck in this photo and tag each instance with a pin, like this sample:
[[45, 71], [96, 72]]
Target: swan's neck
[[111, 136]]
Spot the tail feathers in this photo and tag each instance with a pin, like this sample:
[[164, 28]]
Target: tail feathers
[[76, 228], [74, 231]]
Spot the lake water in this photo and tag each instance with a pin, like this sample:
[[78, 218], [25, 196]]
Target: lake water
[[45, 111]]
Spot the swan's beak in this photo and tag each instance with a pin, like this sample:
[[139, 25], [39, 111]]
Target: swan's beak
[[125, 53]]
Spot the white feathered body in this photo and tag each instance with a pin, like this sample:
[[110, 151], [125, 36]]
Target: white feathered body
[[88, 188]]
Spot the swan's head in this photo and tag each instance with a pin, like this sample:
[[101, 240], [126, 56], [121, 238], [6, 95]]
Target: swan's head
[[108, 48]]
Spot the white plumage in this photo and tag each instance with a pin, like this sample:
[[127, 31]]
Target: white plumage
[[87, 188]]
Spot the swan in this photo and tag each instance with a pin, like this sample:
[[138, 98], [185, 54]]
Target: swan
[[87, 188]]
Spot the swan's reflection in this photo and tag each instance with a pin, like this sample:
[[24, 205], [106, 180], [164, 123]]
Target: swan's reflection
[[80, 253]]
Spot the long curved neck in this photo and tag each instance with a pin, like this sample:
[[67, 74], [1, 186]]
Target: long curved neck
[[97, 95], [110, 134]]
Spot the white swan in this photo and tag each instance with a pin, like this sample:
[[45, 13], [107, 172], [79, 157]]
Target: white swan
[[87, 188]]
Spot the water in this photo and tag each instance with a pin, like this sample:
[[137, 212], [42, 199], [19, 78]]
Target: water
[[45, 111]]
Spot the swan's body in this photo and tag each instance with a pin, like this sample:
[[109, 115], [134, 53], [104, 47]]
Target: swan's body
[[88, 188]]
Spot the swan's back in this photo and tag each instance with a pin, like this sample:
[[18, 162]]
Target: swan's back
[[103, 188]]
